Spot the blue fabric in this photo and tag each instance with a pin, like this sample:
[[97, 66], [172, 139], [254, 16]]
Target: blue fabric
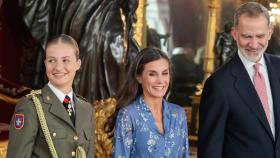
[[137, 136]]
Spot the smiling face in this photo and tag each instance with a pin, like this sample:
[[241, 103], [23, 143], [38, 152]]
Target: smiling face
[[155, 79], [61, 65], [252, 35]]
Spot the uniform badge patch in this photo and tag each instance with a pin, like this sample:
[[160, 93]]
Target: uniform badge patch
[[19, 121]]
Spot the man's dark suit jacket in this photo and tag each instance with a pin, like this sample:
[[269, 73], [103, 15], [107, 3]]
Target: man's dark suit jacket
[[232, 120]]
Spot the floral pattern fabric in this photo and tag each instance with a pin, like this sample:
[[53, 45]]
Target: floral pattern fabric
[[137, 136]]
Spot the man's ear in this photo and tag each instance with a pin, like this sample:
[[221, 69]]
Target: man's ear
[[271, 29], [234, 32]]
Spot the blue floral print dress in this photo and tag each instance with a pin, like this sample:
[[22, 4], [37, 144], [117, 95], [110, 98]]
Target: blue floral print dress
[[137, 136]]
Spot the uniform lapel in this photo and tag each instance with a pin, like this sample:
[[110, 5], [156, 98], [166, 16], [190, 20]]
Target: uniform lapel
[[56, 107], [248, 94], [80, 111]]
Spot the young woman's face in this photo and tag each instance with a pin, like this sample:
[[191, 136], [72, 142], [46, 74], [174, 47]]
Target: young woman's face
[[155, 78], [61, 65]]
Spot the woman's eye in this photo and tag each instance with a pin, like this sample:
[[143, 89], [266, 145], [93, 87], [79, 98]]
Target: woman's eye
[[152, 74], [165, 73], [51, 61]]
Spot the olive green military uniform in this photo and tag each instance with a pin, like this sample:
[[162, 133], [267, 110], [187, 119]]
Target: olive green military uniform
[[28, 141]]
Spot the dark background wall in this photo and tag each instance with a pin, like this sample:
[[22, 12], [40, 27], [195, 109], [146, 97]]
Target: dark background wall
[[10, 43], [17, 55], [189, 19]]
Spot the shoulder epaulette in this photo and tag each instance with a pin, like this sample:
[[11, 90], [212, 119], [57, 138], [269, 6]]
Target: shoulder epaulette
[[34, 92], [82, 98]]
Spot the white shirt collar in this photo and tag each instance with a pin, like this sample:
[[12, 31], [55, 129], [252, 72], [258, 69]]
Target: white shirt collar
[[60, 95]]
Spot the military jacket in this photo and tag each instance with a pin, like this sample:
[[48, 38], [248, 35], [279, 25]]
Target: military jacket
[[26, 139]]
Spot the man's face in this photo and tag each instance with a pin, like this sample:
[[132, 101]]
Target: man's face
[[252, 35], [61, 65]]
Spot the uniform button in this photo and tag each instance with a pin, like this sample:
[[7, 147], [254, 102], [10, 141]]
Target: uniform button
[[54, 134], [73, 153], [76, 137]]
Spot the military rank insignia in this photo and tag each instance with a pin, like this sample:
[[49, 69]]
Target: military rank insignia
[[19, 121]]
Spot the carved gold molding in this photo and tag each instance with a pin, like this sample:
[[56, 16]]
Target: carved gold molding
[[209, 55], [140, 26], [103, 144], [3, 148]]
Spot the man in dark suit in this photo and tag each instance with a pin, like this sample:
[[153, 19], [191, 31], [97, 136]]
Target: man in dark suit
[[68, 116], [238, 119]]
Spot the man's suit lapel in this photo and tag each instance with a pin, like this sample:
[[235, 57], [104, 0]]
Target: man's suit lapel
[[247, 92], [275, 91], [56, 107]]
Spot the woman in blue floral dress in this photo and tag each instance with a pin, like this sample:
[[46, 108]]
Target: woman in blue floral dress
[[146, 125]]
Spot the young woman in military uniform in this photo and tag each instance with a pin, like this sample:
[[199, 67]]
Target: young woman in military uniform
[[68, 128]]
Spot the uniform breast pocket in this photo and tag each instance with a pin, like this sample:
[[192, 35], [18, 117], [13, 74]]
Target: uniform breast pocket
[[58, 136], [55, 133]]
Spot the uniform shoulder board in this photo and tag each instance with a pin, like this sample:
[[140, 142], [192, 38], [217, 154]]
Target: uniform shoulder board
[[34, 92], [82, 98]]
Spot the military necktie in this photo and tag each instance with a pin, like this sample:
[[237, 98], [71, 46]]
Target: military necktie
[[69, 109]]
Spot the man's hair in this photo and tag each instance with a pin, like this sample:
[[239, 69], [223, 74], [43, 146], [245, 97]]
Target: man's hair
[[251, 9], [66, 39]]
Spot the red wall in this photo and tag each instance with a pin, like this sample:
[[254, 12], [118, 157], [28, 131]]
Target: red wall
[[11, 37], [11, 33]]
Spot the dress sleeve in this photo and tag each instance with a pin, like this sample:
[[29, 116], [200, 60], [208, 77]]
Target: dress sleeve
[[123, 136]]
